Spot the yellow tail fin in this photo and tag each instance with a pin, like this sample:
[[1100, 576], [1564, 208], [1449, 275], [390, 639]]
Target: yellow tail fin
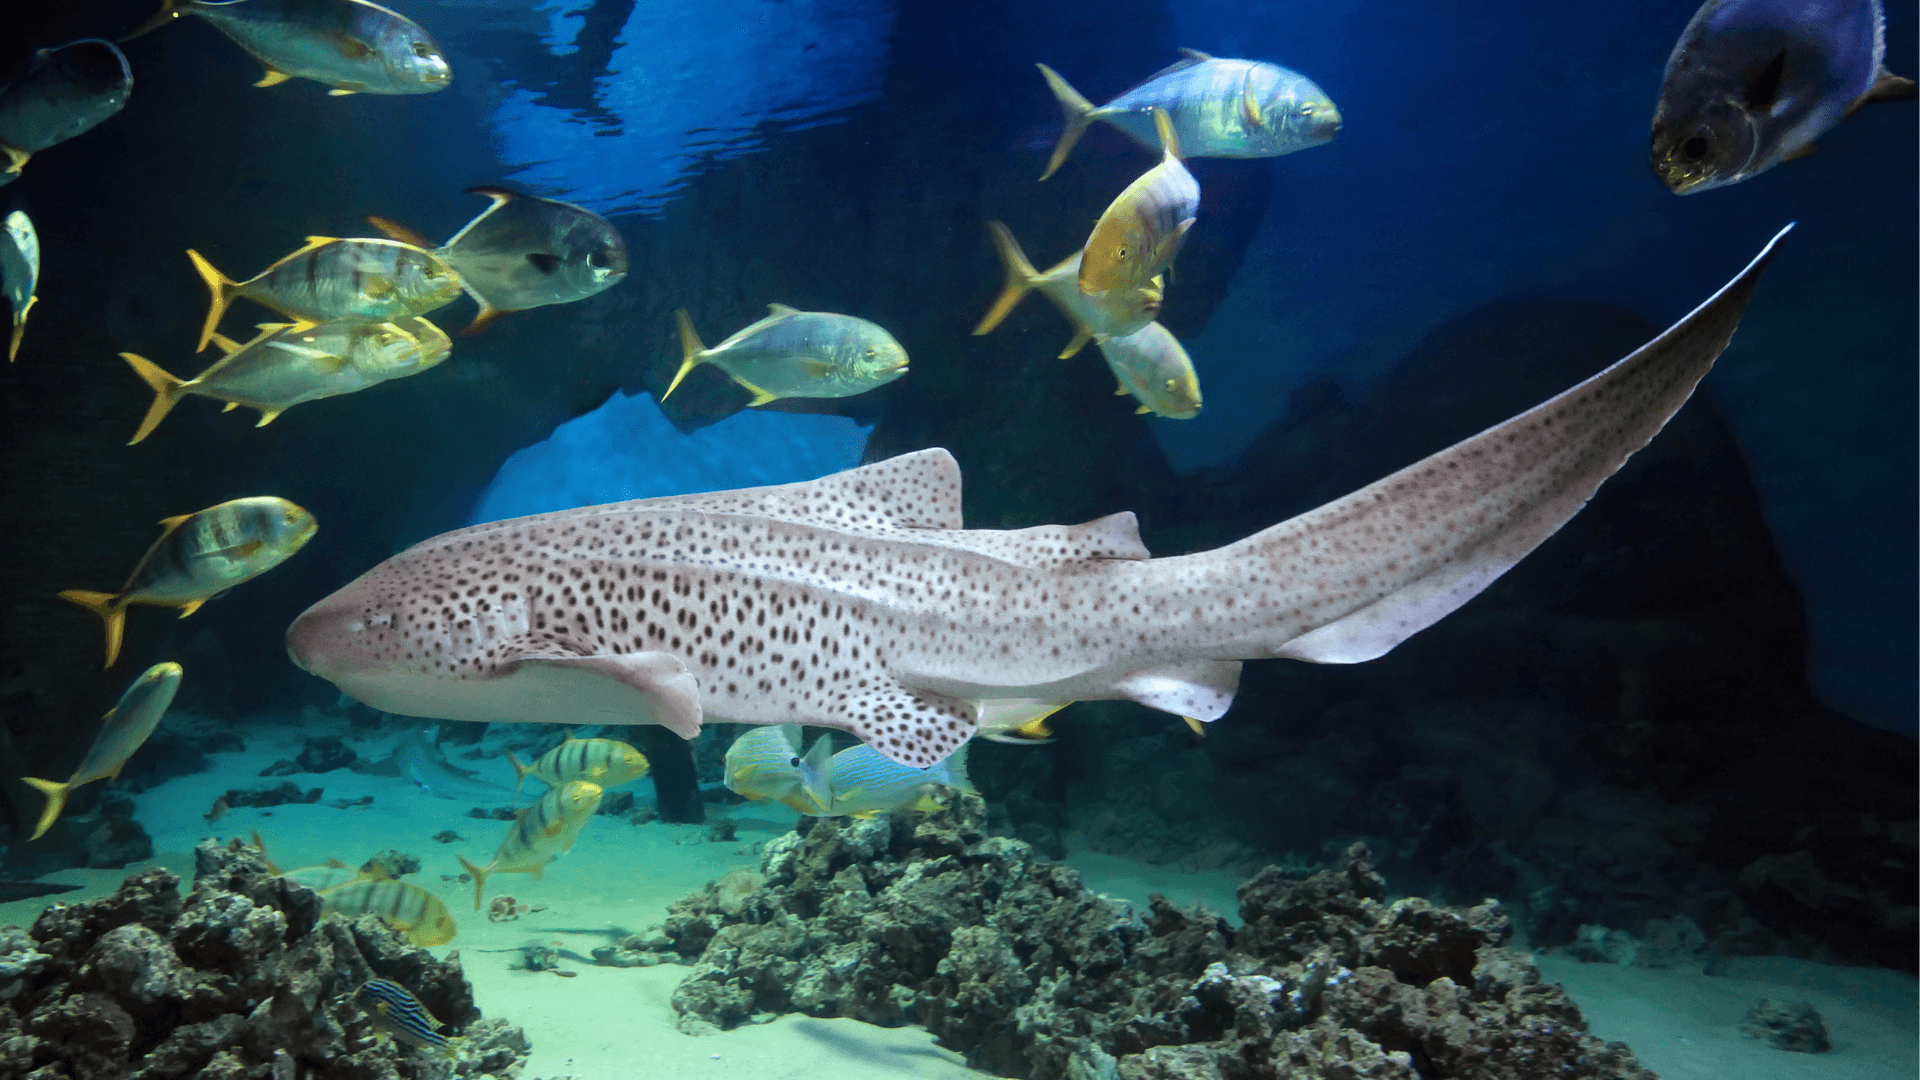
[[1020, 277], [221, 287], [169, 10], [56, 801], [19, 329], [166, 393], [111, 611], [1078, 112], [690, 350], [1163, 127], [479, 880]]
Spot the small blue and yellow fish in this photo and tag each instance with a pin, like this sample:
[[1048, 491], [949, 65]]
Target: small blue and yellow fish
[[127, 727], [1753, 83], [64, 93], [542, 833], [1142, 230], [1154, 367], [19, 273], [397, 1013], [199, 556], [1220, 108], [810, 354], [350, 45], [408, 908], [766, 764], [863, 784], [1094, 318], [334, 280], [606, 762]]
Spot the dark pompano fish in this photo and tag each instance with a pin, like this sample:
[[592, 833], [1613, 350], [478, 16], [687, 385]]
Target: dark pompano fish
[[64, 93], [1220, 108], [1141, 232], [350, 45], [525, 251], [814, 354], [330, 279], [1753, 83]]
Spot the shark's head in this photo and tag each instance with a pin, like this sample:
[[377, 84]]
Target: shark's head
[[342, 635]]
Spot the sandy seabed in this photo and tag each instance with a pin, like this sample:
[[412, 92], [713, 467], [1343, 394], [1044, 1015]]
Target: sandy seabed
[[605, 1022]]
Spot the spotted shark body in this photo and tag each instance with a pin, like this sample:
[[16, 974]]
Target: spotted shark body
[[859, 601]]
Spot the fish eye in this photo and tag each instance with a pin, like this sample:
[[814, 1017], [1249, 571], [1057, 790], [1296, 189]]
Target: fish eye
[[1307, 109], [422, 49], [599, 259], [1695, 148], [793, 762], [1120, 252]]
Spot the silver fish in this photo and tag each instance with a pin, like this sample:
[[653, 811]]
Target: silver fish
[[1141, 231], [19, 274], [542, 833], [64, 93], [127, 727], [350, 45], [860, 601], [330, 279], [1154, 367], [1095, 318], [1220, 108], [812, 354], [1753, 83], [524, 252]]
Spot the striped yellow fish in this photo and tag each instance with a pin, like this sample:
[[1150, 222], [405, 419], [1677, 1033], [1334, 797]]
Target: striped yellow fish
[[864, 784], [407, 908], [331, 279], [397, 1013], [1142, 230], [1154, 367], [541, 833], [765, 764], [606, 762], [201, 555], [1095, 318], [127, 727]]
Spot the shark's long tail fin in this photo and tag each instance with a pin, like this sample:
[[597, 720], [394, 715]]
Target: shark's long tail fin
[[112, 611], [690, 350], [166, 389], [1078, 112], [1020, 277], [221, 286], [56, 794], [479, 880]]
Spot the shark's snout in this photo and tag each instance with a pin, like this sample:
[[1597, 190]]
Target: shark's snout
[[328, 638]]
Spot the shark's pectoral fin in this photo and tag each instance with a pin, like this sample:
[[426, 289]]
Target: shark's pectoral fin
[[629, 688], [1202, 689], [913, 727]]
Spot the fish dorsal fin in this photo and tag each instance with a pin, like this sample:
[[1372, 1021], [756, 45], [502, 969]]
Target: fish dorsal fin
[[337, 864], [393, 230], [781, 309], [1188, 58], [920, 490], [172, 523], [1196, 55], [316, 241], [500, 196]]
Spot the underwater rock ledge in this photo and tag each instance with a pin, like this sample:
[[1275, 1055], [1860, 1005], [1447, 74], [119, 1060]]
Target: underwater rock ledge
[[241, 980], [1011, 960]]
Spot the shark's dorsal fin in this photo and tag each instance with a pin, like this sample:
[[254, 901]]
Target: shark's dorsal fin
[[1116, 536], [920, 490]]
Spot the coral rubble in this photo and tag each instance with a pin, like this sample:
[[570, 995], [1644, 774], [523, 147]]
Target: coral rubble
[[1010, 959], [240, 980]]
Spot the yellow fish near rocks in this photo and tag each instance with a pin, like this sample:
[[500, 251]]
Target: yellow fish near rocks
[[330, 279], [606, 762], [864, 784], [1142, 230], [1154, 367], [287, 365], [1094, 318], [127, 727], [541, 833], [410, 909], [200, 556], [765, 764]]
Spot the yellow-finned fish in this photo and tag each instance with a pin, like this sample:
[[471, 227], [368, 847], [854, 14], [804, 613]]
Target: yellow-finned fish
[[1140, 233], [1154, 367], [331, 280], [1094, 318], [863, 784], [1019, 720], [19, 274], [350, 45], [766, 764], [812, 354], [540, 834], [200, 556], [127, 727], [524, 252], [399, 1015], [606, 762], [1220, 107], [408, 908], [62, 94], [288, 364]]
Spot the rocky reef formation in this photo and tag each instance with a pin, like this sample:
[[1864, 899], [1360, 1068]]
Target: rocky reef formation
[[241, 980], [1011, 960]]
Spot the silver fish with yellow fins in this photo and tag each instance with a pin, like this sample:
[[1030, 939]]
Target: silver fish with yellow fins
[[330, 279], [862, 783], [408, 908], [1220, 107], [525, 252], [813, 354], [765, 764], [65, 92], [1154, 367], [1094, 318], [19, 274], [288, 364], [606, 762], [1142, 230], [400, 1016], [1753, 83], [127, 727], [350, 45], [541, 833], [201, 555]]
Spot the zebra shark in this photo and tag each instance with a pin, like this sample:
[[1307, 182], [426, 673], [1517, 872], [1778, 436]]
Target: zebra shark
[[860, 601]]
